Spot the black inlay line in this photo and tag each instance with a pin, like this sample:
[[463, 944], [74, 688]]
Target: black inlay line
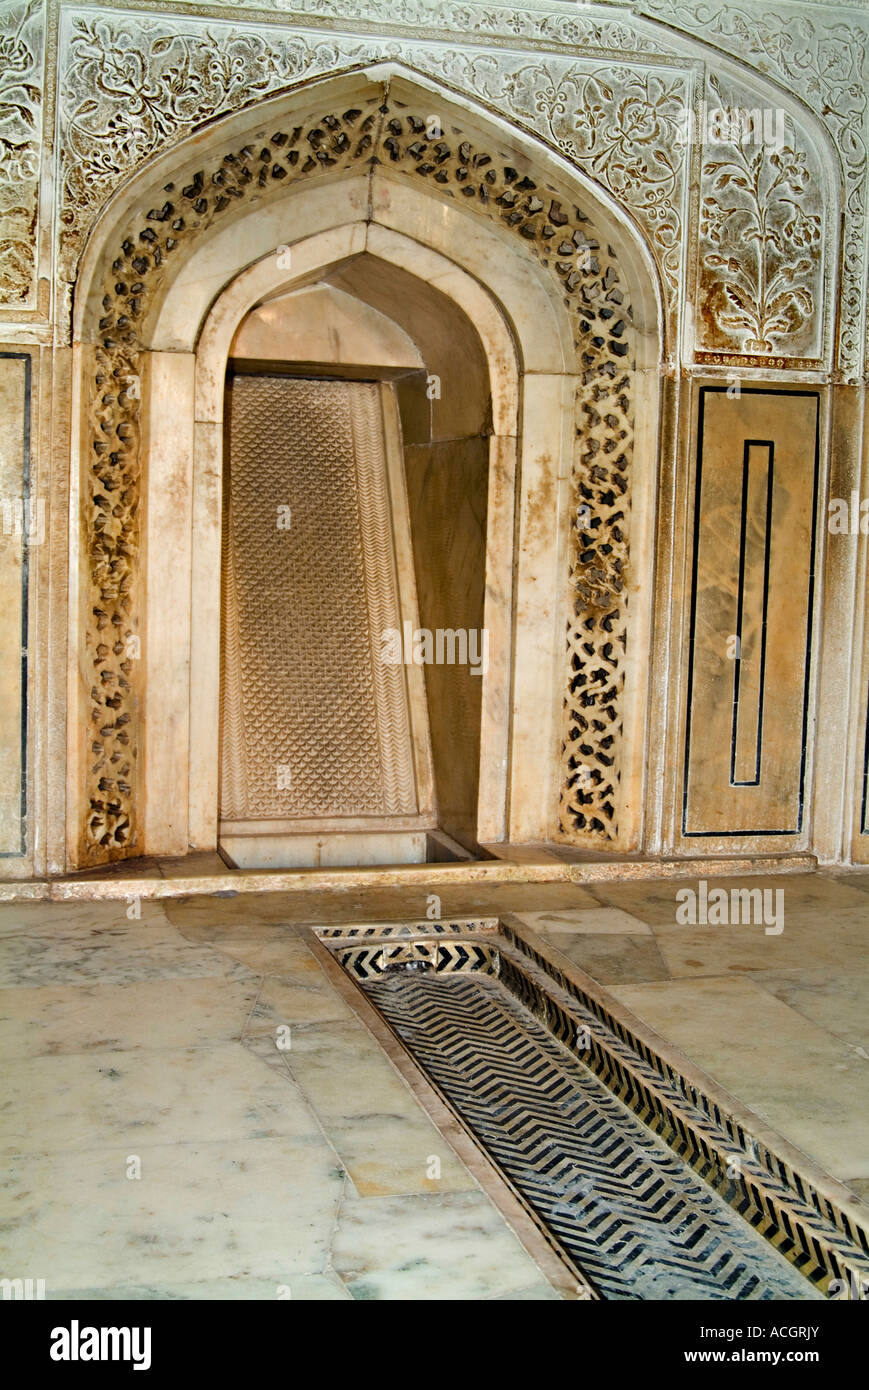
[[733, 834], [25, 591], [750, 444], [864, 828]]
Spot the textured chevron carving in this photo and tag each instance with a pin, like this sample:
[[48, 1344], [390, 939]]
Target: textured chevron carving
[[464, 1036], [630, 1214], [814, 1233]]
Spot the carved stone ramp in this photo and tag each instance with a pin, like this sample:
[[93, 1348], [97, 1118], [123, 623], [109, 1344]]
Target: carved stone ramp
[[636, 1220]]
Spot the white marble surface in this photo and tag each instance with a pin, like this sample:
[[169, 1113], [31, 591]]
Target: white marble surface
[[409, 1248], [258, 1208], [308, 1169], [264, 1174], [320, 323], [603, 920], [108, 955]]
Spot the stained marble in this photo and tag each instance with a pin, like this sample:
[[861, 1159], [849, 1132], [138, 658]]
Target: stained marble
[[419, 1248], [154, 1014], [611, 957], [159, 1143], [804, 1084], [598, 921], [110, 955], [239, 1208]]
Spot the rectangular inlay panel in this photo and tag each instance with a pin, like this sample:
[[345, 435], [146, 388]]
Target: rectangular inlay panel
[[313, 722], [751, 612]]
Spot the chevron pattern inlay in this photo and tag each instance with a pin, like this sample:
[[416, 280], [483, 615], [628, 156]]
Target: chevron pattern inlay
[[636, 1219]]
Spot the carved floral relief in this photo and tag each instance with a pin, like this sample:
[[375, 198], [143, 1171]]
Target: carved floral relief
[[619, 125], [21, 48], [132, 86], [824, 59], [761, 232]]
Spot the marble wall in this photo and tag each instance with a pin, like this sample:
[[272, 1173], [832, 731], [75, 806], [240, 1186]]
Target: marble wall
[[711, 625], [22, 520]]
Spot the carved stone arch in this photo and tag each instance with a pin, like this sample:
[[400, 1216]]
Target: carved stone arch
[[341, 245], [478, 172]]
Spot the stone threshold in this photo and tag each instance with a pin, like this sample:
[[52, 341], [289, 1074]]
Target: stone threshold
[[90, 886]]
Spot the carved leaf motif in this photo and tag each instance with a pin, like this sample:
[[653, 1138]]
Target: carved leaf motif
[[823, 59], [736, 296], [21, 41], [757, 211]]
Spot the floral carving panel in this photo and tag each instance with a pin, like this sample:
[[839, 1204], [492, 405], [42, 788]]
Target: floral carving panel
[[21, 56], [131, 86], [620, 125], [554, 23], [762, 235], [823, 59]]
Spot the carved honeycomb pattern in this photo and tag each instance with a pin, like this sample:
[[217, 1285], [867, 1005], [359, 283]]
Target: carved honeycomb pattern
[[112, 550], [597, 630], [495, 187]]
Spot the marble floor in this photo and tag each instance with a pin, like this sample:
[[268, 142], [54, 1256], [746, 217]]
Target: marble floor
[[193, 1109], [779, 1020]]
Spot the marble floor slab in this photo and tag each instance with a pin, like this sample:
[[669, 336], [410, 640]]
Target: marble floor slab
[[411, 1247], [372, 905], [655, 901], [835, 997], [611, 957], [296, 998], [279, 952], [138, 1099], [806, 1085], [300, 1288], [259, 1209], [150, 1014], [304, 1173], [110, 955], [74, 918], [806, 942], [388, 1146], [157, 1144], [598, 921]]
